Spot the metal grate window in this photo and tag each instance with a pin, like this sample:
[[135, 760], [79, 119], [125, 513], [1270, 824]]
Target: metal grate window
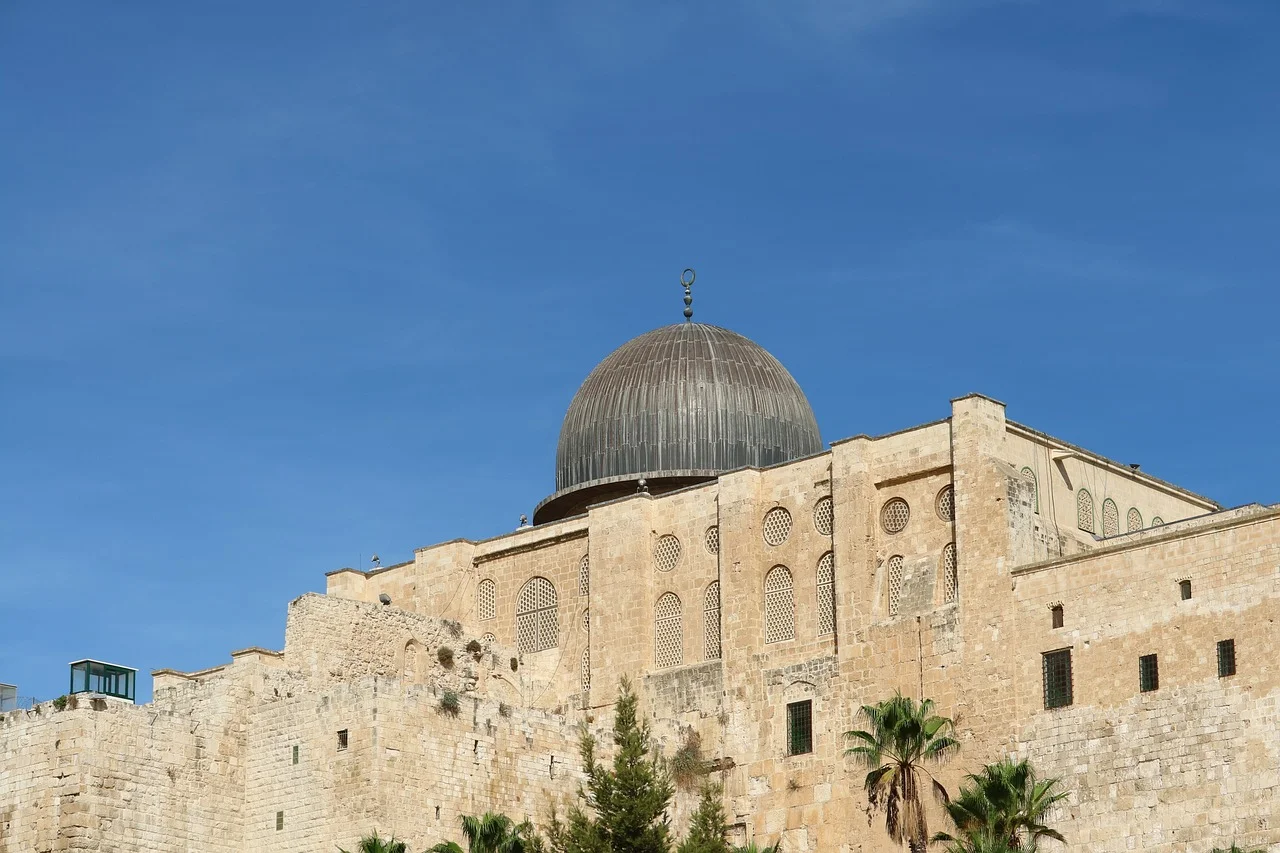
[[945, 504], [668, 632], [279, 821], [1035, 488], [1056, 615], [1148, 673], [777, 525], [800, 727], [1133, 520], [1057, 679], [711, 622], [584, 575], [823, 516], [1084, 510], [486, 598], [779, 606], [895, 584], [342, 739], [1157, 521], [295, 753], [1110, 518], [666, 554], [712, 539], [1184, 589], [537, 617], [1226, 658], [827, 594], [950, 577], [894, 515]]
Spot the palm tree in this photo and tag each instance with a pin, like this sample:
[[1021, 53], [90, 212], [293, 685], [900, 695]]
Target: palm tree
[[1005, 801], [374, 844], [902, 737], [492, 833], [752, 848], [977, 841]]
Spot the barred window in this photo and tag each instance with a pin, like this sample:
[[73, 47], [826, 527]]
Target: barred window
[[945, 504], [486, 596], [712, 539], [1157, 521], [777, 525], [666, 553], [950, 577], [1035, 488], [1057, 679], [800, 727], [711, 622], [779, 606], [584, 575], [537, 618], [894, 515], [1133, 521], [827, 594], [1084, 510], [668, 632], [1148, 673], [1110, 518], [895, 583], [1226, 658], [823, 516]]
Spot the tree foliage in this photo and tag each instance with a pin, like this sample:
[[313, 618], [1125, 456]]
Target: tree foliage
[[1003, 802], [708, 830], [375, 844]]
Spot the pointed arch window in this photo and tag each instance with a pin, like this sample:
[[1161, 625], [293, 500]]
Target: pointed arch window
[[486, 598], [537, 617], [827, 594], [1084, 510], [1035, 488], [779, 606], [668, 632], [1134, 519], [1110, 518]]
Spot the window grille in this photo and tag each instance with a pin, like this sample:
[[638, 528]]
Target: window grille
[[1226, 658], [1110, 518], [489, 638], [777, 525], [800, 727], [1133, 521], [895, 584], [711, 622], [486, 598], [823, 516], [666, 554], [712, 539], [1184, 588], [945, 504], [950, 577], [1157, 521], [342, 739], [1084, 510], [537, 618], [585, 670], [1057, 679], [584, 575], [894, 515], [1148, 673], [779, 606], [1035, 488], [668, 633], [295, 753], [279, 821], [586, 621], [1057, 615], [827, 594]]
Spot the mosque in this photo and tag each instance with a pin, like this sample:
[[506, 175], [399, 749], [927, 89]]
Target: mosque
[[758, 586]]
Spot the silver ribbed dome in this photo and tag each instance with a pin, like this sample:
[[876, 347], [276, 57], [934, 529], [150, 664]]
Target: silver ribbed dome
[[677, 405]]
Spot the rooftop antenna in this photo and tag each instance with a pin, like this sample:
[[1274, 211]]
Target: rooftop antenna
[[686, 278]]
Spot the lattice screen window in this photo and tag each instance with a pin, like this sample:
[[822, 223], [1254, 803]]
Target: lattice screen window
[[946, 504], [895, 584], [486, 596], [586, 620], [584, 575], [585, 670], [823, 516], [777, 525], [827, 594], [666, 554], [894, 515], [712, 539], [668, 632], [489, 639], [1084, 510], [950, 578], [1157, 521], [1110, 518], [711, 622], [1133, 521], [537, 619], [779, 606], [1035, 488]]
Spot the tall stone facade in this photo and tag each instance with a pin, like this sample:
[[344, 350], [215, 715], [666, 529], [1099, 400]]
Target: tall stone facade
[[943, 561]]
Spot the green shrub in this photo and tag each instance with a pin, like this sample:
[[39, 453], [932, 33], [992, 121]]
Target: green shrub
[[444, 654], [449, 704]]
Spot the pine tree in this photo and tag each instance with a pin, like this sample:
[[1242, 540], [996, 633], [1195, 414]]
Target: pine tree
[[707, 829]]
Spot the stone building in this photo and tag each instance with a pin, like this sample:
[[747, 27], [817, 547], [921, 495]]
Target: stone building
[[758, 588]]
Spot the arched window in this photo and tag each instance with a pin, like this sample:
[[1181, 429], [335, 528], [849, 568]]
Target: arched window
[[537, 620], [410, 671], [586, 670], [950, 578], [668, 632], [1134, 519], [823, 515], [1157, 521], [1110, 518], [827, 594], [895, 583], [584, 575], [711, 622], [1035, 488], [486, 596], [1084, 510], [779, 606]]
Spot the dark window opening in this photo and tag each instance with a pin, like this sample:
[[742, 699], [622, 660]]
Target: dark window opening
[[800, 727], [1148, 673], [279, 821], [1057, 679], [437, 812], [1185, 588], [1057, 615], [295, 753], [342, 739], [1226, 658]]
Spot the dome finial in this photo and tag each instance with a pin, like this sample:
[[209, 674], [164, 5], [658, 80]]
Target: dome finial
[[686, 278]]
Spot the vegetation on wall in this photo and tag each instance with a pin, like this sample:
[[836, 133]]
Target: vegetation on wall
[[1003, 804], [687, 765], [449, 704]]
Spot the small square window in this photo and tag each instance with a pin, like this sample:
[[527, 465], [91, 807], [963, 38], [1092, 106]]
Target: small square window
[[1057, 679], [1226, 658], [295, 753], [800, 727], [1057, 615], [342, 739], [279, 821], [1148, 673], [1185, 588]]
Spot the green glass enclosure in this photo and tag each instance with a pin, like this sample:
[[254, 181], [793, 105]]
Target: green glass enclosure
[[94, 676]]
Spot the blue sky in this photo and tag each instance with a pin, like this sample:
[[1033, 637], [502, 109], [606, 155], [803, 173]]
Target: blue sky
[[286, 284]]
